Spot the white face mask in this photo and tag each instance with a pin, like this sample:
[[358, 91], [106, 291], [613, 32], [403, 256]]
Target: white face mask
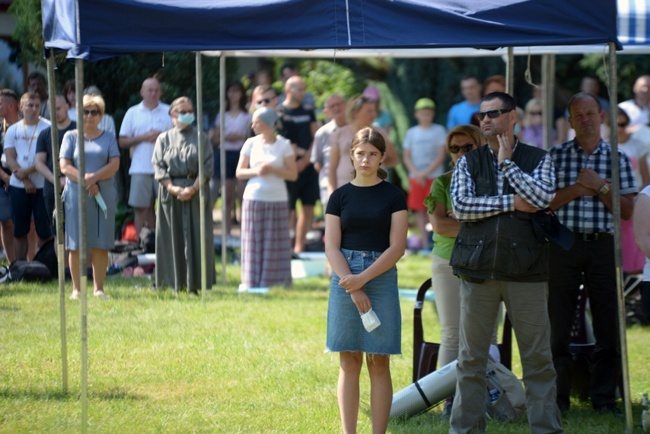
[[186, 118]]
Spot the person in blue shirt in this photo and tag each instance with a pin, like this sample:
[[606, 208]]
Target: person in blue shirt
[[462, 112]]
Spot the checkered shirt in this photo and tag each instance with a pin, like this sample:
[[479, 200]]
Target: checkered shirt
[[588, 214], [536, 188]]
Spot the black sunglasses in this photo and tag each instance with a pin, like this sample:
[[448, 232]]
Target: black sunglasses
[[492, 114], [454, 149], [93, 112]]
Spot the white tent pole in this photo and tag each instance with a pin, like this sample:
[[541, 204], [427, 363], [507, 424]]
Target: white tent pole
[[56, 170], [616, 205], [79, 85], [548, 78], [202, 198], [222, 152]]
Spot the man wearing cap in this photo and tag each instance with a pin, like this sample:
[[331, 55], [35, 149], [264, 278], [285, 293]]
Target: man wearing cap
[[424, 154], [462, 112], [499, 257], [583, 202]]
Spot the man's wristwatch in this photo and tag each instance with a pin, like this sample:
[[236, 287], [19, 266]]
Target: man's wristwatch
[[505, 163], [604, 189]]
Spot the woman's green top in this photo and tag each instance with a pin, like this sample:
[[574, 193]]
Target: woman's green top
[[442, 245]]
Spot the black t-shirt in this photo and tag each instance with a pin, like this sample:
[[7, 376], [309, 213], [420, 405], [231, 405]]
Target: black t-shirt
[[366, 214], [44, 142], [296, 125]]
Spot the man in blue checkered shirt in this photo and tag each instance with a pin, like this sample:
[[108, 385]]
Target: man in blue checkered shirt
[[498, 256], [583, 169]]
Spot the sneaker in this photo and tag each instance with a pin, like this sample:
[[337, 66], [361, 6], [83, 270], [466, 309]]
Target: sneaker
[[75, 294], [100, 294], [242, 288]]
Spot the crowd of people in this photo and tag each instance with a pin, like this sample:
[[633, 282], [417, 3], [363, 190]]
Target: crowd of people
[[487, 247]]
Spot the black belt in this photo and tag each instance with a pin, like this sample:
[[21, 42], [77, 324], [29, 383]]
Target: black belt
[[592, 236]]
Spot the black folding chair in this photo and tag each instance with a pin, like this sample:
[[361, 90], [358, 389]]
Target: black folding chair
[[425, 354]]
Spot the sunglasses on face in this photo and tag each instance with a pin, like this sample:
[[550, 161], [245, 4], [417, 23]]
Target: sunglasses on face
[[93, 112], [622, 124], [454, 149], [535, 113], [492, 114]]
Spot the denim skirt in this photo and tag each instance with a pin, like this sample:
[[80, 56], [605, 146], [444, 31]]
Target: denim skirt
[[345, 331]]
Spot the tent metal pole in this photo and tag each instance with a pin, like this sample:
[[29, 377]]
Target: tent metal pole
[[616, 205], [548, 79], [510, 71], [222, 153], [56, 170], [202, 198], [79, 85]]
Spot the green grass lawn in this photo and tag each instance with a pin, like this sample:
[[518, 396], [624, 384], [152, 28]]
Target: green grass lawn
[[240, 363]]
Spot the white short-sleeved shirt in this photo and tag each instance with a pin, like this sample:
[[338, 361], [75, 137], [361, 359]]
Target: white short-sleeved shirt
[[23, 138], [139, 120], [267, 188], [636, 150], [424, 144]]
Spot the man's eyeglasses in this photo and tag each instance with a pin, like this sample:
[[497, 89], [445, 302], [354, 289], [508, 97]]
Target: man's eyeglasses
[[93, 112], [454, 149], [492, 114]]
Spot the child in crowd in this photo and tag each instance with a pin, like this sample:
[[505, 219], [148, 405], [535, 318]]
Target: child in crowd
[[424, 155]]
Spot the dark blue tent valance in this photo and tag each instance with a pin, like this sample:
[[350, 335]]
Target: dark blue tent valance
[[93, 29]]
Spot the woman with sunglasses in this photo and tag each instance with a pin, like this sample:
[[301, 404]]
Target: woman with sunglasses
[[460, 140], [102, 160], [361, 113], [533, 130]]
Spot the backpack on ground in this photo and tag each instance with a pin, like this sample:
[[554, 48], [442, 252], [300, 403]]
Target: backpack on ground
[[46, 254], [34, 271]]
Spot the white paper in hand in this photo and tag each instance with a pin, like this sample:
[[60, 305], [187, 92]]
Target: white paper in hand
[[101, 203], [370, 320]]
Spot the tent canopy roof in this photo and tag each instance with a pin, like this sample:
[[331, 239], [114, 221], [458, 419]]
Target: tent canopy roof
[[93, 29]]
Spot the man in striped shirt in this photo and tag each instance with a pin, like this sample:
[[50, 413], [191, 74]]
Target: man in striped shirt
[[583, 168], [499, 257]]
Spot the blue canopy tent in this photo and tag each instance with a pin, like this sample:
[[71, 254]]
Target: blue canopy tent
[[93, 29], [96, 29]]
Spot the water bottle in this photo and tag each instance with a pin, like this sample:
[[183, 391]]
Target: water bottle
[[645, 415], [494, 395]]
